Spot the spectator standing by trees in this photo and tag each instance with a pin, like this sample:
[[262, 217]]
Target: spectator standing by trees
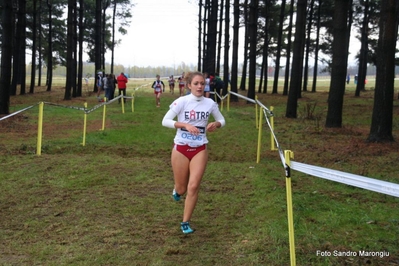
[[105, 86], [207, 87], [122, 80], [99, 82], [219, 84], [110, 87]]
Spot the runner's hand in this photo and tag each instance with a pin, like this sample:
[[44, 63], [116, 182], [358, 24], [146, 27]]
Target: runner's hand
[[211, 127], [192, 129]]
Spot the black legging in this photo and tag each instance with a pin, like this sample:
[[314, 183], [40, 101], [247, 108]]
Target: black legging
[[122, 91]]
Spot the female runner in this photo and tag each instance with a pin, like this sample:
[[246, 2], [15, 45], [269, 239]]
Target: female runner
[[189, 155]]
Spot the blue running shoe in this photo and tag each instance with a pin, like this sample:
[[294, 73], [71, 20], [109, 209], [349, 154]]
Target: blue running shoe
[[185, 227], [176, 196]]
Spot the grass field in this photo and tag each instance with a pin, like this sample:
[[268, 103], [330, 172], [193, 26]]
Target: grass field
[[109, 202]]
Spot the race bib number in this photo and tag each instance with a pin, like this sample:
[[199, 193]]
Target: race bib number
[[191, 137]]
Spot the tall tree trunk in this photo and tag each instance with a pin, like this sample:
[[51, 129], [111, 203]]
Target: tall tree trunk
[[6, 52], [113, 38], [19, 71], [397, 22], [234, 63], [316, 52], [265, 54], [246, 45], [226, 74], [39, 42], [33, 65], [74, 49], [262, 71], [15, 51], [362, 70], [297, 61], [104, 23], [50, 48], [210, 60], [381, 122], [22, 48], [307, 47], [204, 35], [279, 41], [350, 22], [219, 45], [199, 64], [253, 27], [97, 36], [80, 44], [339, 64], [69, 58], [288, 59]]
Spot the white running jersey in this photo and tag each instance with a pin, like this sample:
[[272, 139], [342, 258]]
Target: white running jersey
[[157, 85], [194, 111]]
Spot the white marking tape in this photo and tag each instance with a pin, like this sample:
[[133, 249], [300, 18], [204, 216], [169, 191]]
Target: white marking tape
[[239, 95], [17, 112], [376, 185]]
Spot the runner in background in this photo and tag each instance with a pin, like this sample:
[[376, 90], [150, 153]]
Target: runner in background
[[171, 82], [182, 84], [158, 87]]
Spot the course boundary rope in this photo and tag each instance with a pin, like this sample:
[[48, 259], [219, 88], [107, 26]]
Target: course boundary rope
[[74, 107], [17, 112], [367, 183], [325, 173]]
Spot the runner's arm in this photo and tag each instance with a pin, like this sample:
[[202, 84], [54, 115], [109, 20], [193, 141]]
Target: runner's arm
[[168, 121], [219, 118]]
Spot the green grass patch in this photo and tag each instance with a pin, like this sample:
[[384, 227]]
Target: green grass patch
[[109, 202]]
